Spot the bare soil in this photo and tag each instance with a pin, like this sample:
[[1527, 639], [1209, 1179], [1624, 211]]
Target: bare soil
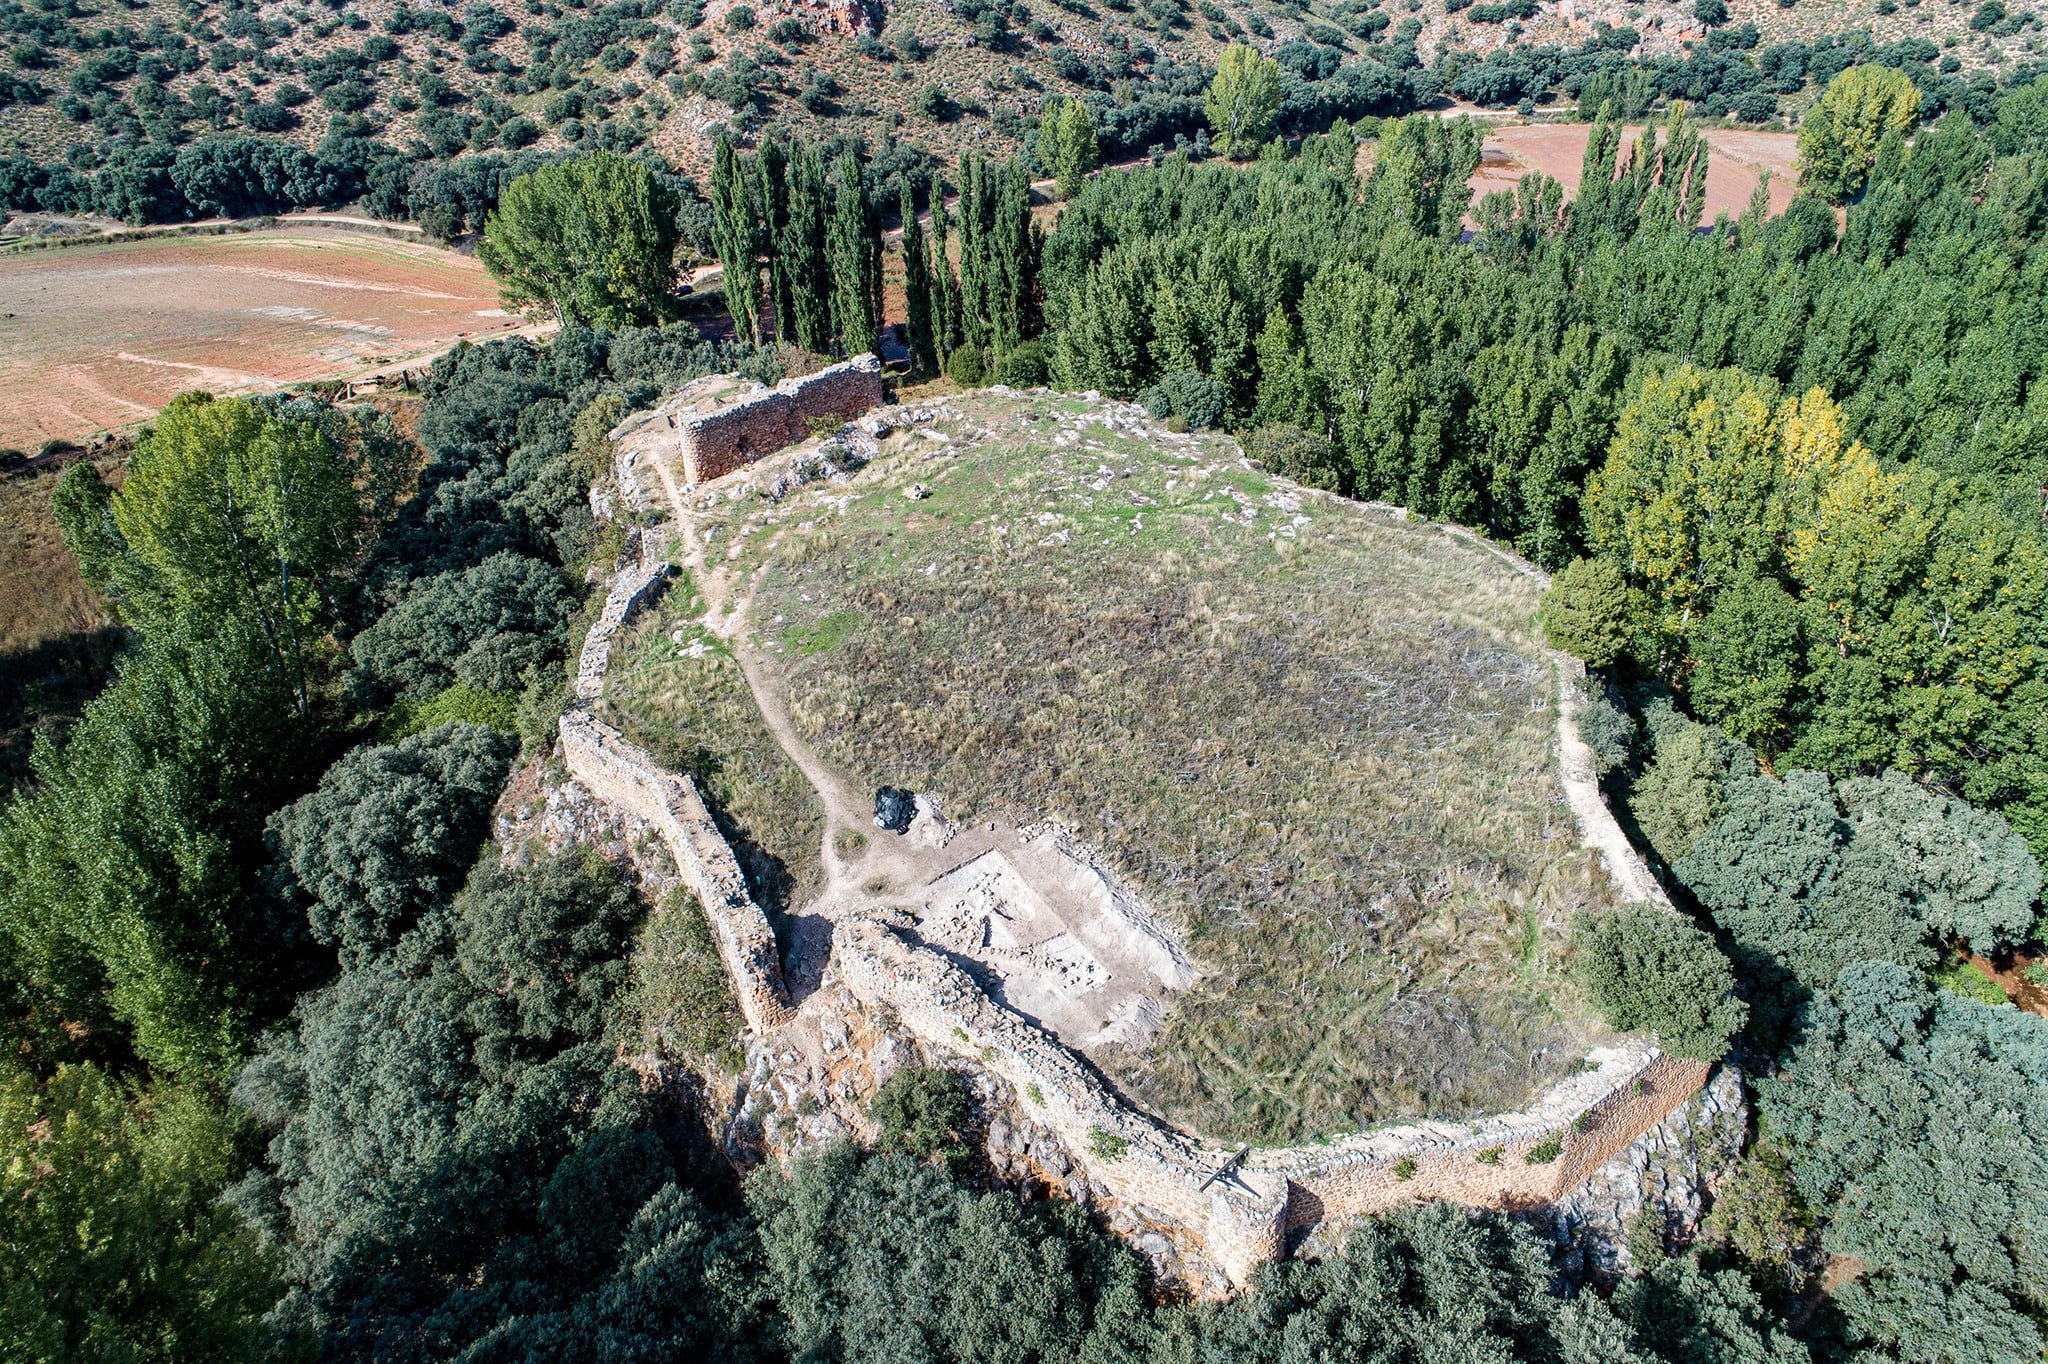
[[1738, 158], [94, 338]]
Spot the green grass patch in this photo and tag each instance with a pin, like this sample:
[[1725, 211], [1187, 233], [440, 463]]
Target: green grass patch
[[1962, 977], [680, 998], [459, 703], [824, 635]]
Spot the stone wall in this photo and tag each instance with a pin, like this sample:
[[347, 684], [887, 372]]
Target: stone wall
[[1487, 1163], [622, 774], [633, 587], [716, 442], [1135, 1158]]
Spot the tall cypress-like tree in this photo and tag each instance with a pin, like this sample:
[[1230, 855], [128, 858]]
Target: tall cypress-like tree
[[855, 249], [771, 179], [917, 291], [803, 252], [736, 236], [945, 289], [1014, 244], [975, 285]]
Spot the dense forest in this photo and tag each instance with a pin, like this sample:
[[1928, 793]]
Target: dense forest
[[301, 1064]]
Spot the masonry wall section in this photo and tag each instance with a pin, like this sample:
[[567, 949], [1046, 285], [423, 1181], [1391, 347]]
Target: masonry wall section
[[624, 775], [713, 444]]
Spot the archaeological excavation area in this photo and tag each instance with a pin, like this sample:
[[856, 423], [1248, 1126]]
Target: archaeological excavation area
[[1248, 822]]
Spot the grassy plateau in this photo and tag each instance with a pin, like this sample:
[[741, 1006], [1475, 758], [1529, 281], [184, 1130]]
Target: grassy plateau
[[1317, 736]]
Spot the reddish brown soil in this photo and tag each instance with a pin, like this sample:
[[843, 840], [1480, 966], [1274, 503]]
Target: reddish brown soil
[[1738, 156], [94, 338], [2021, 991]]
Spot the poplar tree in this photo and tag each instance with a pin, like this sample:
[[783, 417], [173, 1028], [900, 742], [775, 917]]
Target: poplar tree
[[735, 235], [855, 242], [917, 291]]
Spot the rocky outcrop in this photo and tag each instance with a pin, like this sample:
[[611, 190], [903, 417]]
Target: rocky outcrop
[[1668, 1173]]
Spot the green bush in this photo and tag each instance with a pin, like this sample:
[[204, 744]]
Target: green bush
[[1023, 366], [1646, 967], [456, 704], [1585, 612], [1108, 1145], [1291, 452], [921, 1111], [1195, 397], [1679, 796], [1963, 977], [968, 366], [1545, 1151]]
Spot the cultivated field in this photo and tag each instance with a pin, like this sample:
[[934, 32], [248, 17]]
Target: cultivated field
[[100, 337], [1738, 158], [1316, 737]]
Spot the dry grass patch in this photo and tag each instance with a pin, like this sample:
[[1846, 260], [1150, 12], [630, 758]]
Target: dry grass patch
[[56, 639], [1317, 737]]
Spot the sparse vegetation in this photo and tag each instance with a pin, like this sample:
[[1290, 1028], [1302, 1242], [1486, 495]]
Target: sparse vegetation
[[680, 997], [1108, 1145]]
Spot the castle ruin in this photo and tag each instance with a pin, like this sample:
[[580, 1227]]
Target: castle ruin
[[1240, 1207], [720, 423]]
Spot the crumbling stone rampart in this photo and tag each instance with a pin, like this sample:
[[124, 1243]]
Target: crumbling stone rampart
[[633, 587], [717, 441], [1514, 1160], [621, 773], [1135, 1158]]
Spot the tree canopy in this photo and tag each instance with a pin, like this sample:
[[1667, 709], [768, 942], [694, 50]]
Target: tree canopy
[[1243, 99], [592, 240]]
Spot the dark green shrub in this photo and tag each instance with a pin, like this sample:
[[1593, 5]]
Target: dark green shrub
[[1291, 452], [968, 366], [922, 1111], [1585, 612], [1023, 366], [1195, 397], [1649, 968]]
